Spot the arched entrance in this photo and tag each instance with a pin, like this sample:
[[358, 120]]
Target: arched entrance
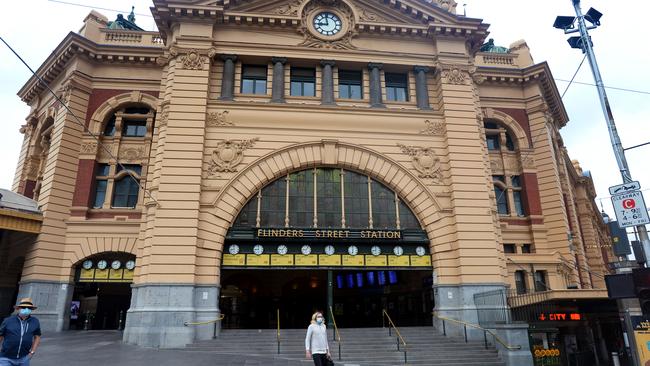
[[325, 238], [102, 293]]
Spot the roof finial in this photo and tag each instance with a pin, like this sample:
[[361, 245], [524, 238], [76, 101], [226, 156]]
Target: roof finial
[[131, 16]]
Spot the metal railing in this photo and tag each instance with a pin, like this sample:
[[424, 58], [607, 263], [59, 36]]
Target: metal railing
[[399, 337], [475, 326], [278, 331], [337, 334], [213, 321]]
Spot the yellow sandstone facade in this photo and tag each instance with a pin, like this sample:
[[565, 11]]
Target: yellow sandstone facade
[[232, 96]]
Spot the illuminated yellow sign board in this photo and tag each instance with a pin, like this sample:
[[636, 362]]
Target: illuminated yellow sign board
[[257, 260], [376, 261], [353, 260], [282, 260], [87, 275], [423, 261], [128, 275], [306, 260], [115, 274], [101, 274], [329, 260], [234, 259], [398, 261]]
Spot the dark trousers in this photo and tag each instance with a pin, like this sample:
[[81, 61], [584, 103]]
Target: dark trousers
[[320, 359]]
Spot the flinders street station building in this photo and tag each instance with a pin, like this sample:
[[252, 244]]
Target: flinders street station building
[[254, 161]]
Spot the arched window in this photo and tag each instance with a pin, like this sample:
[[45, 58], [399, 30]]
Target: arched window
[[126, 188], [327, 198], [508, 194]]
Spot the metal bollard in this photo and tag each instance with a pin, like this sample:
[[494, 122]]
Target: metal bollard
[[615, 359], [120, 323], [87, 321], [444, 330], [465, 326]]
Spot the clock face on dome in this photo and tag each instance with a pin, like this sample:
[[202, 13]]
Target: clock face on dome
[[327, 24]]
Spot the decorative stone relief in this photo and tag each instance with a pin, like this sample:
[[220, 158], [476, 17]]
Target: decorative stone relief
[[434, 128], [311, 40], [88, 148], [288, 9], [162, 121], [527, 161], [366, 15], [103, 155], [193, 60], [448, 5], [424, 161], [228, 154], [132, 153], [455, 75], [496, 165], [218, 119], [512, 163]]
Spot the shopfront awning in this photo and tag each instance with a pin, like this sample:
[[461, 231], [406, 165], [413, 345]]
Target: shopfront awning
[[19, 213]]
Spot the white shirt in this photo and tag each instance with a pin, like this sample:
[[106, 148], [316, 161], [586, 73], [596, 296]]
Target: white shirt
[[316, 339]]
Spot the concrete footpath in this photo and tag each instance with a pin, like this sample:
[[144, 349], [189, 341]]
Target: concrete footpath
[[99, 348]]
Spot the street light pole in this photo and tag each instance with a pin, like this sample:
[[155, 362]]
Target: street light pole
[[619, 152]]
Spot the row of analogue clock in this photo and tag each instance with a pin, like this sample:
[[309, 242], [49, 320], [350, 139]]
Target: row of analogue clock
[[102, 264], [329, 250]]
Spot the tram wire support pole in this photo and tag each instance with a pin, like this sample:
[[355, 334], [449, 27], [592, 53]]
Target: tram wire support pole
[[584, 43]]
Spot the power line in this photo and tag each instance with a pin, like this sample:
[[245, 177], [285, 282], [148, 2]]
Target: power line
[[607, 87], [100, 8], [574, 76], [83, 125]]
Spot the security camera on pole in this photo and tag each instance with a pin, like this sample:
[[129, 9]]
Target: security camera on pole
[[627, 198]]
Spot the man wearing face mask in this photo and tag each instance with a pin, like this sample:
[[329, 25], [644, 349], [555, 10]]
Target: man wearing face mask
[[316, 341], [20, 335]]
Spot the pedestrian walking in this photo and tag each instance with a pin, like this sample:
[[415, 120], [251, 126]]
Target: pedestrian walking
[[316, 341], [20, 335]]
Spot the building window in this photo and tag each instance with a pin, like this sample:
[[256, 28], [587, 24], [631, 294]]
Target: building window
[[327, 198], [101, 183], [520, 282], [350, 84], [126, 186], [109, 129], [497, 136], [134, 128], [396, 87], [303, 82], [517, 195], [500, 192], [526, 248], [509, 248], [253, 79], [540, 281]]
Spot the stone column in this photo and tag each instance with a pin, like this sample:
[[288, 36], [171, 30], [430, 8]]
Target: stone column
[[228, 79], [327, 92], [375, 85], [421, 91], [277, 90]]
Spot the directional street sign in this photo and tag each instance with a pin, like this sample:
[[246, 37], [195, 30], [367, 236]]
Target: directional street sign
[[630, 209], [624, 188]]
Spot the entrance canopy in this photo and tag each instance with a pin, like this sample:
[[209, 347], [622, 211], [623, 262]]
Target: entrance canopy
[[19, 213], [326, 217]]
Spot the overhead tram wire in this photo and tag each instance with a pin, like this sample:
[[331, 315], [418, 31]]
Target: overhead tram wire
[[608, 87], [80, 123], [97, 7], [574, 76]]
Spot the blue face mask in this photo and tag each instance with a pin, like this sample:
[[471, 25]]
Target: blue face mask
[[319, 321], [25, 312]]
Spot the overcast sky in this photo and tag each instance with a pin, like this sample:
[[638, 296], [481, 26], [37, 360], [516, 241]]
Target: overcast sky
[[35, 27]]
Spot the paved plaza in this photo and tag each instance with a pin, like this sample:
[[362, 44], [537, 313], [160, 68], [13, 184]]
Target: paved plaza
[[99, 348]]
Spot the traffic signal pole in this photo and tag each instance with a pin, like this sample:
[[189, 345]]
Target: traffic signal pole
[[619, 152]]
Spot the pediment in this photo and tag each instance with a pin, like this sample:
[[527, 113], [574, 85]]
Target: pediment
[[393, 12]]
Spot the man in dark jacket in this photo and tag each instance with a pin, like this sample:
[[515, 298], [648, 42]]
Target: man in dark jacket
[[20, 335]]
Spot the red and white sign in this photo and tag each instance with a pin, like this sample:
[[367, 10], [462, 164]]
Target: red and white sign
[[630, 209]]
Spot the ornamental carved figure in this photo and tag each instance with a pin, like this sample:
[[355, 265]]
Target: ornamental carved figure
[[366, 15], [193, 60], [288, 9], [434, 128], [228, 154], [162, 121], [425, 161], [218, 119]]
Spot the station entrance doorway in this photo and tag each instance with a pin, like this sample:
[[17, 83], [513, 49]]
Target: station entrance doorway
[[251, 298]]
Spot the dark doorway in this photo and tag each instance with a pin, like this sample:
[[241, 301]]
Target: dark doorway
[[250, 298], [103, 305]]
